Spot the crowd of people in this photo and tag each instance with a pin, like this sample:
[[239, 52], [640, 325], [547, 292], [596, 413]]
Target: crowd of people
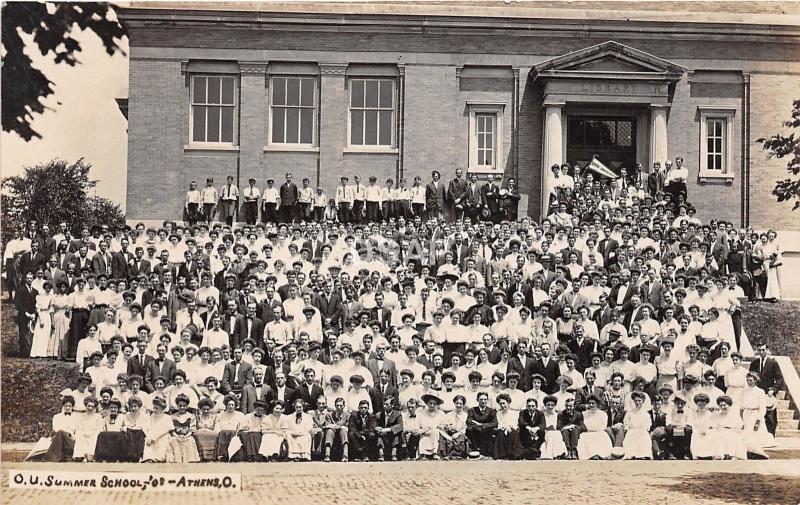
[[441, 326]]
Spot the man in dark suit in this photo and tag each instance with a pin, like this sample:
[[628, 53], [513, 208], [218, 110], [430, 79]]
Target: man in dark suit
[[283, 392], [547, 368], [53, 273], [531, 429], [30, 261], [268, 304], [254, 391], [161, 366], [435, 195], [521, 363], [251, 327], [770, 379], [190, 268], [389, 428], [237, 374], [139, 265], [381, 314], [101, 261], [232, 322], [330, 307], [383, 389], [308, 390], [121, 260], [361, 432], [288, 193], [582, 347], [25, 303], [482, 425], [141, 364], [378, 363], [628, 287]]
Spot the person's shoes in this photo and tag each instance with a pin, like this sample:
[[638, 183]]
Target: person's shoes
[[380, 458], [327, 459], [394, 458], [344, 459]]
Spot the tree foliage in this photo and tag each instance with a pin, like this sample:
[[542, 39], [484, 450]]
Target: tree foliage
[[51, 25], [787, 146], [54, 192]]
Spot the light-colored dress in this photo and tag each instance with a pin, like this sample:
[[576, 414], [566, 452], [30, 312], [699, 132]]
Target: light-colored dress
[[89, 426], [637, 442], [705, 443], [61, 320], [553, 441], [667, 367], [594, 441], [735, 382], [729, 434], [157, 430], [42, 326], [773, 276], [273, 430], [429, 442], [754, 407], [298, 436]]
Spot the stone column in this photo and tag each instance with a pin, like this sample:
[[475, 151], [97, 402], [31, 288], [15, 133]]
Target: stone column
[[658, 134], [552, 147]]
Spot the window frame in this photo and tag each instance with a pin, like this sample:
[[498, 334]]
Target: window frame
[[382, 148], [293, 146], [205, 144], [477, 109], [726, 115]]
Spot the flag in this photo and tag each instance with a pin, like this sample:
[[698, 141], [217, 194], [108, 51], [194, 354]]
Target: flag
[[596, 166]]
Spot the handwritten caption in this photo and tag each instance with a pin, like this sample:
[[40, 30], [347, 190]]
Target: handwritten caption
[[30, 479]]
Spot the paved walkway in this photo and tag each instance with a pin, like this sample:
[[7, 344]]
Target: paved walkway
[[468, 482]]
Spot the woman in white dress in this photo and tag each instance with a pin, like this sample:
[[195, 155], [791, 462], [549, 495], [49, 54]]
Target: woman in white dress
[[157, 430], [667, 366], [594, 443], [298, 434], [726, 304], [772, 264], [62, 304], [274, 428], [705, 443], [754, 407], [736, 380], [430, 419], [90, 424], [729, 429], [637, 422], [723, 364], [43, 326], [554, 447]]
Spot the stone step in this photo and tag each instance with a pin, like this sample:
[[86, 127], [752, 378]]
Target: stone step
[[788, 424], [781, 395], [785, 414], [787, 433], [784, 404]]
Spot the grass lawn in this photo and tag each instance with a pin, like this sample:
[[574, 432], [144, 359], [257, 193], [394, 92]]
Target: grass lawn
[[30, 386]]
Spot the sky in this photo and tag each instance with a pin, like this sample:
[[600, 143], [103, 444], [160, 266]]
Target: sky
[[83, 119]]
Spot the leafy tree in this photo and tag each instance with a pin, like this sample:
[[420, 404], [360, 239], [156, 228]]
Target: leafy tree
[[51, 25], [781, 146], [54, 192]]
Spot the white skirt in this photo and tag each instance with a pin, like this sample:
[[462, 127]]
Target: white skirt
[[299, 447], [594, 443], [706, 445], [755, 439], [41, 336], [270, 444], [637, 444], [553, 445], [429, 443], [157, 451], [84, 445], [732, 443]]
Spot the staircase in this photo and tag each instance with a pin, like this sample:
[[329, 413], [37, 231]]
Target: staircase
[[788, 422]]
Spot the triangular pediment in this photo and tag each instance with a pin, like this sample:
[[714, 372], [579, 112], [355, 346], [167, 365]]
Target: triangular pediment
[[611, 58]]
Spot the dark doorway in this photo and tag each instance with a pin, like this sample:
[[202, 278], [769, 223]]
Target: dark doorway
[[612, 139]]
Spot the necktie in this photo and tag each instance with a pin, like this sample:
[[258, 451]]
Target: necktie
[[424, 310]]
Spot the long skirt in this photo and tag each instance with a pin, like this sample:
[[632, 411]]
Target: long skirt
[[206, 444], [251, 442], [62, 446], [705, 445], [507, 446], [112, 446], [637, 444], [77, 330], [773, 284], [157, 451], [97, 315], [135, 445], [553, 445], [42, 330], [221, 448], [456, 447], [755, 440], [58, 339], [271, 445], [85, 444], [299, 447], [429, 443], [594, 443], [732, 443], [182, 449]]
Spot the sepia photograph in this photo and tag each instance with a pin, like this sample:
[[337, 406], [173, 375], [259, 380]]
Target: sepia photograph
[[400, 252]]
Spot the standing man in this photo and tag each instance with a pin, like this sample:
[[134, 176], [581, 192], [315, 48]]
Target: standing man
[[435, 196], [209, 198], [675, 179], [230, 200], [289, 196], [305, 200], [359, 199], [271, 201], [251, 195], [655, 181], [770, 379], [402, 200], [192, 205], [491, 197], [472, 201], [343, 200], [455, 195], [373, 196], [418, 197], [25, 303]]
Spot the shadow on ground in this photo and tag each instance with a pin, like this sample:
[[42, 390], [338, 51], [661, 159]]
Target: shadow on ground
[[749, 488]]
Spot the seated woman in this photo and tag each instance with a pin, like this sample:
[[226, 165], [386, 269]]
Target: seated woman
[[507, 444], [229, 422], [62, 443], [298, 433], [554, 447], [112, 442], [206, 433], [182, 447], [88, 427], [637, 443], [134, 424], [157, 432], [729, 426], [429, 419], [273, 432], [453, 431], [250, 430], [704, 443], [594, 443], [180, 388]]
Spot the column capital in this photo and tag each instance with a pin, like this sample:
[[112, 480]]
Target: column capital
[[332, 68], [547, 104], [252, 68], [660, 105]]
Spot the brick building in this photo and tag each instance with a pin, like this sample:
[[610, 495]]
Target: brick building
[[395, 90]]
